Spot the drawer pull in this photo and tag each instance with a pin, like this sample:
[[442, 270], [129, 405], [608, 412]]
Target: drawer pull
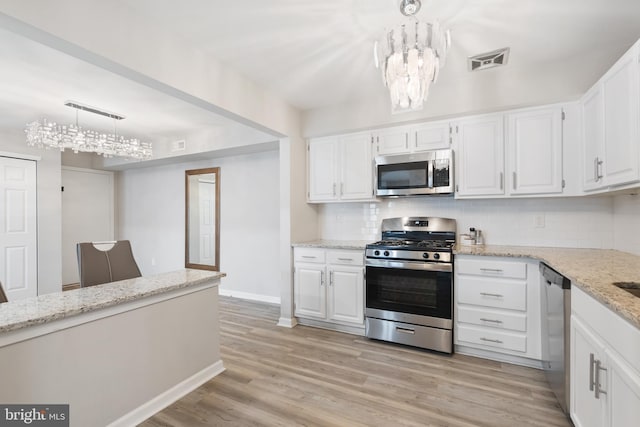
[[597, 370], [405, 330], [490, 340], [491, 320], [345, 259], [485, 294], [308, 256], [491, 270]]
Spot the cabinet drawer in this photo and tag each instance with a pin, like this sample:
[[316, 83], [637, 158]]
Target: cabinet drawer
[[486, 292], [345, 257], [492, 318], [309, 255], [492, 338], [490, 268]]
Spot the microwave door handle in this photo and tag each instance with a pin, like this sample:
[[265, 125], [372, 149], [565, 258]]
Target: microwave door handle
[[430, 174]]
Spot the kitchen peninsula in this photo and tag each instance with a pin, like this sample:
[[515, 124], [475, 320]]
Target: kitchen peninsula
[[116, 353]]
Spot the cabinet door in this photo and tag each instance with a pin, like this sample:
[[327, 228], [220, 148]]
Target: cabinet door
[[534, 144], [586, 410], [430, 136], [346, 294], [310, 294], [323, 169], [356, 172], [392, 141], [623, 392], [480, 154], [622, 121], [592, 138]]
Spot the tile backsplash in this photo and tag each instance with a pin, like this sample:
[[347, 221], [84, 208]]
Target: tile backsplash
[[584, 222]]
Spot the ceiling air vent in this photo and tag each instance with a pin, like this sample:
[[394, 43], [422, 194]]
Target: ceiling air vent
[[179, 145], [491, 59]]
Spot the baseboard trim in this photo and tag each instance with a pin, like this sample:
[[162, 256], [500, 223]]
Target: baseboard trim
[[354, 330], [287, 322], [498, 357], [164, 399], [248, 296]]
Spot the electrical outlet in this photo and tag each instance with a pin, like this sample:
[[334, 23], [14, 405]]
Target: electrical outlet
[[538, 221]]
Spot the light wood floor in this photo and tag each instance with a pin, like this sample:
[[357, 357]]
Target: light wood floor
[[311, 377]]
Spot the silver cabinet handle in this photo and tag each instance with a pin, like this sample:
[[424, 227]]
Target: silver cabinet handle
[[599, 169], [331, 278], [501, 180], [595, 169], [484, 294], [515, 176], [416, 140], [308, 257], [491, 270], [341, 188], [321, 278], [406, 140], [591, 364], [334, 188], [405, 330], [598, 390], [491, 320], [345, 259], [490, 340]]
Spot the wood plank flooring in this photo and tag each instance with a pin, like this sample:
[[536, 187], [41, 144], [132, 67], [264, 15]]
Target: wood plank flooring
[[312, 377]]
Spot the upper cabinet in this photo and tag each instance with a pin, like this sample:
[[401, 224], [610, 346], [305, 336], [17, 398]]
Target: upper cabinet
[[408, 139], [340, 168], [479, 154], [534, 146], [514, 154], [611, 126]]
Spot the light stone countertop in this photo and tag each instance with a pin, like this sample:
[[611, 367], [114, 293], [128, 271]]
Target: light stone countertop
[[592, 270], [333, 244], [27, 312]]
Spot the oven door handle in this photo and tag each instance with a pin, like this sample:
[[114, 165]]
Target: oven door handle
[[410, 265]]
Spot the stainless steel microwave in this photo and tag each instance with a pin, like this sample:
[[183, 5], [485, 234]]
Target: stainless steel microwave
[[428, 172]]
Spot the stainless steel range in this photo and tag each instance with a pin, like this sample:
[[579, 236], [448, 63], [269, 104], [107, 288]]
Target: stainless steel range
[[409, 283]]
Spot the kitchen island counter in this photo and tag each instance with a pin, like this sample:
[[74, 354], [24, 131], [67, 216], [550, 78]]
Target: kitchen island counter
[[593, 270], [333, 244]]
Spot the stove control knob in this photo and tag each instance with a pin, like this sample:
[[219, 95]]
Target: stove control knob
[[436, 256], [425, 255], [386, 253], [376, 253]]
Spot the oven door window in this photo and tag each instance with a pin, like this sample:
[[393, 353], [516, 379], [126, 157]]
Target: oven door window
[[426, 293], [405, 175]]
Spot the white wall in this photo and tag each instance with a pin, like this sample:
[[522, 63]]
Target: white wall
[[585, 222], [49, 208], [151, 215], [626, 223]]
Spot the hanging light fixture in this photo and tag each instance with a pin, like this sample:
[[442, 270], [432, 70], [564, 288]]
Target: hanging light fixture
[[410, 57], [46, 134]]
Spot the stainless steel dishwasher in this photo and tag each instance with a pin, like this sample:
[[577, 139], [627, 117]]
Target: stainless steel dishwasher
[[557, 299]]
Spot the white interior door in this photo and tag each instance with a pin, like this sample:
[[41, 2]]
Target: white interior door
[[18, 233], [87, 214], [207, 193]]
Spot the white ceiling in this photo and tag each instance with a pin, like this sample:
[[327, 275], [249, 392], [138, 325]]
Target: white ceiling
[[312, 53], [319, 53]]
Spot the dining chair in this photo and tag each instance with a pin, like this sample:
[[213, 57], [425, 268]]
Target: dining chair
[[97, 266]]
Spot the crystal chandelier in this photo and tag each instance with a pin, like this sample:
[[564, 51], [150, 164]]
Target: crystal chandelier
[[47, 134], [410, 57]]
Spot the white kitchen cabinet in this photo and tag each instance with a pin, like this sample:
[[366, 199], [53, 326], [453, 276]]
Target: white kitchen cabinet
[[534, 147], [611, 126], [605, 367], [497, 309], [414, 138], [340, 168], [480, 156], [329, 288]]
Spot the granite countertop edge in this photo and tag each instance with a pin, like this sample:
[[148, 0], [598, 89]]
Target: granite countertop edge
[[333, 244], [47, 308], [592, 270]]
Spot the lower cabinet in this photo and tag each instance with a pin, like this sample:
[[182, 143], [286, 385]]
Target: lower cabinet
[[605, 363], [497, 308], [329, 288]]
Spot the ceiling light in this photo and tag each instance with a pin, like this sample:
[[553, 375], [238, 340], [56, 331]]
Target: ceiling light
[[46, 134], [412, 55]]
